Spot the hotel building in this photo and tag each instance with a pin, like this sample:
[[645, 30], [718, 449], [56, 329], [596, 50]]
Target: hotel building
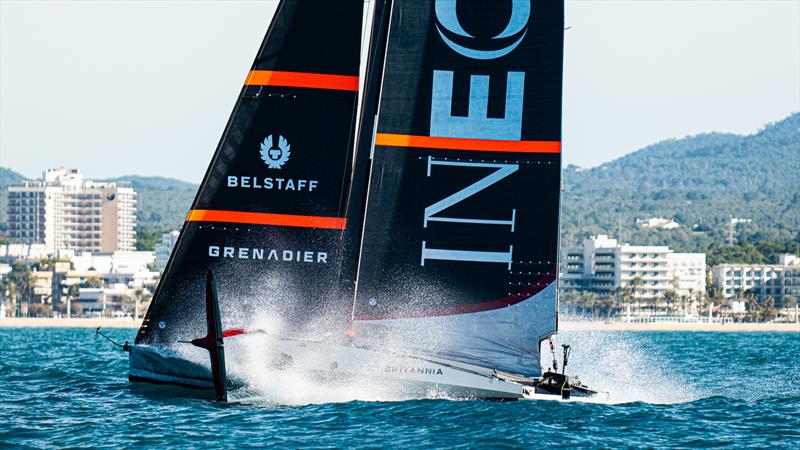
[[601, 264], [64, 211], [779, 281], [688, 272], [164, 249]]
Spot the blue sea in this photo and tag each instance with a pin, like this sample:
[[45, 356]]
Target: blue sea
[[67, 388]]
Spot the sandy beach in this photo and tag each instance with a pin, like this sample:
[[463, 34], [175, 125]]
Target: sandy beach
[[564, 325]]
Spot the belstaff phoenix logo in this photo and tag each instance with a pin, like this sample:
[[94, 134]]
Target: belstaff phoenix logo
[[275, 156]]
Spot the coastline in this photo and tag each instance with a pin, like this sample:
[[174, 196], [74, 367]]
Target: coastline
[[41, 322], [48, 322], [681, 326]]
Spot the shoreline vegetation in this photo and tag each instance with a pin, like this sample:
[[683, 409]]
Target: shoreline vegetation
[[589, 325]]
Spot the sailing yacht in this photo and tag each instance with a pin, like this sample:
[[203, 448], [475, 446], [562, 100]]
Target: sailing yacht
[[398, 228]]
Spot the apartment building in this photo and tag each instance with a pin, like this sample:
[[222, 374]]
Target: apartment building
[[601, 264], [688, 272], [65, 211], [121, 276], [779, 281], [164, 248]]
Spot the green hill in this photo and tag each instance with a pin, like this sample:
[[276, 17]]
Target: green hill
[[7, 178], [163, 202], [162, 205], [700, 182]]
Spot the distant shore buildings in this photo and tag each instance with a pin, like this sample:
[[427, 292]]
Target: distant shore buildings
[[781, 281], [80, 284], [601, 264], [65, 211], [658, 223], [164, 248], [76, 238], [636, 282]]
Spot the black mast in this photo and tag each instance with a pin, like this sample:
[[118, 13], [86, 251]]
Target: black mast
[[357, 197]]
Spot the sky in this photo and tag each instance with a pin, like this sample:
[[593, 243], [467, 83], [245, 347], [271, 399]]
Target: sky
[[146, 87]]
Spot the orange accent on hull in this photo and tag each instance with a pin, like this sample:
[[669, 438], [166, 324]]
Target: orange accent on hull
[[475, 145], [302, 80], [251, 218]]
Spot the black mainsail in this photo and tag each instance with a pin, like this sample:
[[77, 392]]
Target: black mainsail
[[459, 255], [269, 215]]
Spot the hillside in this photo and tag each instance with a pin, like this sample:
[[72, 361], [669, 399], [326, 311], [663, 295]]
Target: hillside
[[163, 202], [700, 182], [7, 178]]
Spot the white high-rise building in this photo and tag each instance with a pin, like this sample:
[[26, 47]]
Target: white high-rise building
[[601, 264], [164, 248], [64, 211]]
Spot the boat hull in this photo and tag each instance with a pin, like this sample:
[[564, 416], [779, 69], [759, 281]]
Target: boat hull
[[325, 364]]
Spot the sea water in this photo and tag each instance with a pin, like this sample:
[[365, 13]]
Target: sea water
[[67, 388]]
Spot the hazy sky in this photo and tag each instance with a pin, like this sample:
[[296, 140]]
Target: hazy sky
[[146, 87]]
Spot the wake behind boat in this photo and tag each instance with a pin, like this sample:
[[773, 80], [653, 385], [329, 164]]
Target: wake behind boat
[[425, 257]]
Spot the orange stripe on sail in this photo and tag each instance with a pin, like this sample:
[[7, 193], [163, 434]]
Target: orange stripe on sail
[[251, 218], [302, 80], [477, 145]]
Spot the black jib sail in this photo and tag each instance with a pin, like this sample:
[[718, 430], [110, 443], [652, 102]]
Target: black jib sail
[[459, 256], [269, 215]]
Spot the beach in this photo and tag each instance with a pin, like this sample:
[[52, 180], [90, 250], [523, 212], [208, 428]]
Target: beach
[[88, 322], [41, 322], [680, 326]]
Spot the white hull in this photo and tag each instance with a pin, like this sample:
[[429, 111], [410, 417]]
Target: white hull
[[325, 364]]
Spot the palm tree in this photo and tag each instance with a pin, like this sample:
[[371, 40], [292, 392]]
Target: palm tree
[[714, 297], [684, 300], [697, 299], [633, 287], [790, 303], [609, 303], [139, 295], [590, 303], [635, 284], [618, 294], [8, 291], [752, 307], [23, 283], [767, 309], [670, 297], [93, 282], [567, 300], [73, 293]]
